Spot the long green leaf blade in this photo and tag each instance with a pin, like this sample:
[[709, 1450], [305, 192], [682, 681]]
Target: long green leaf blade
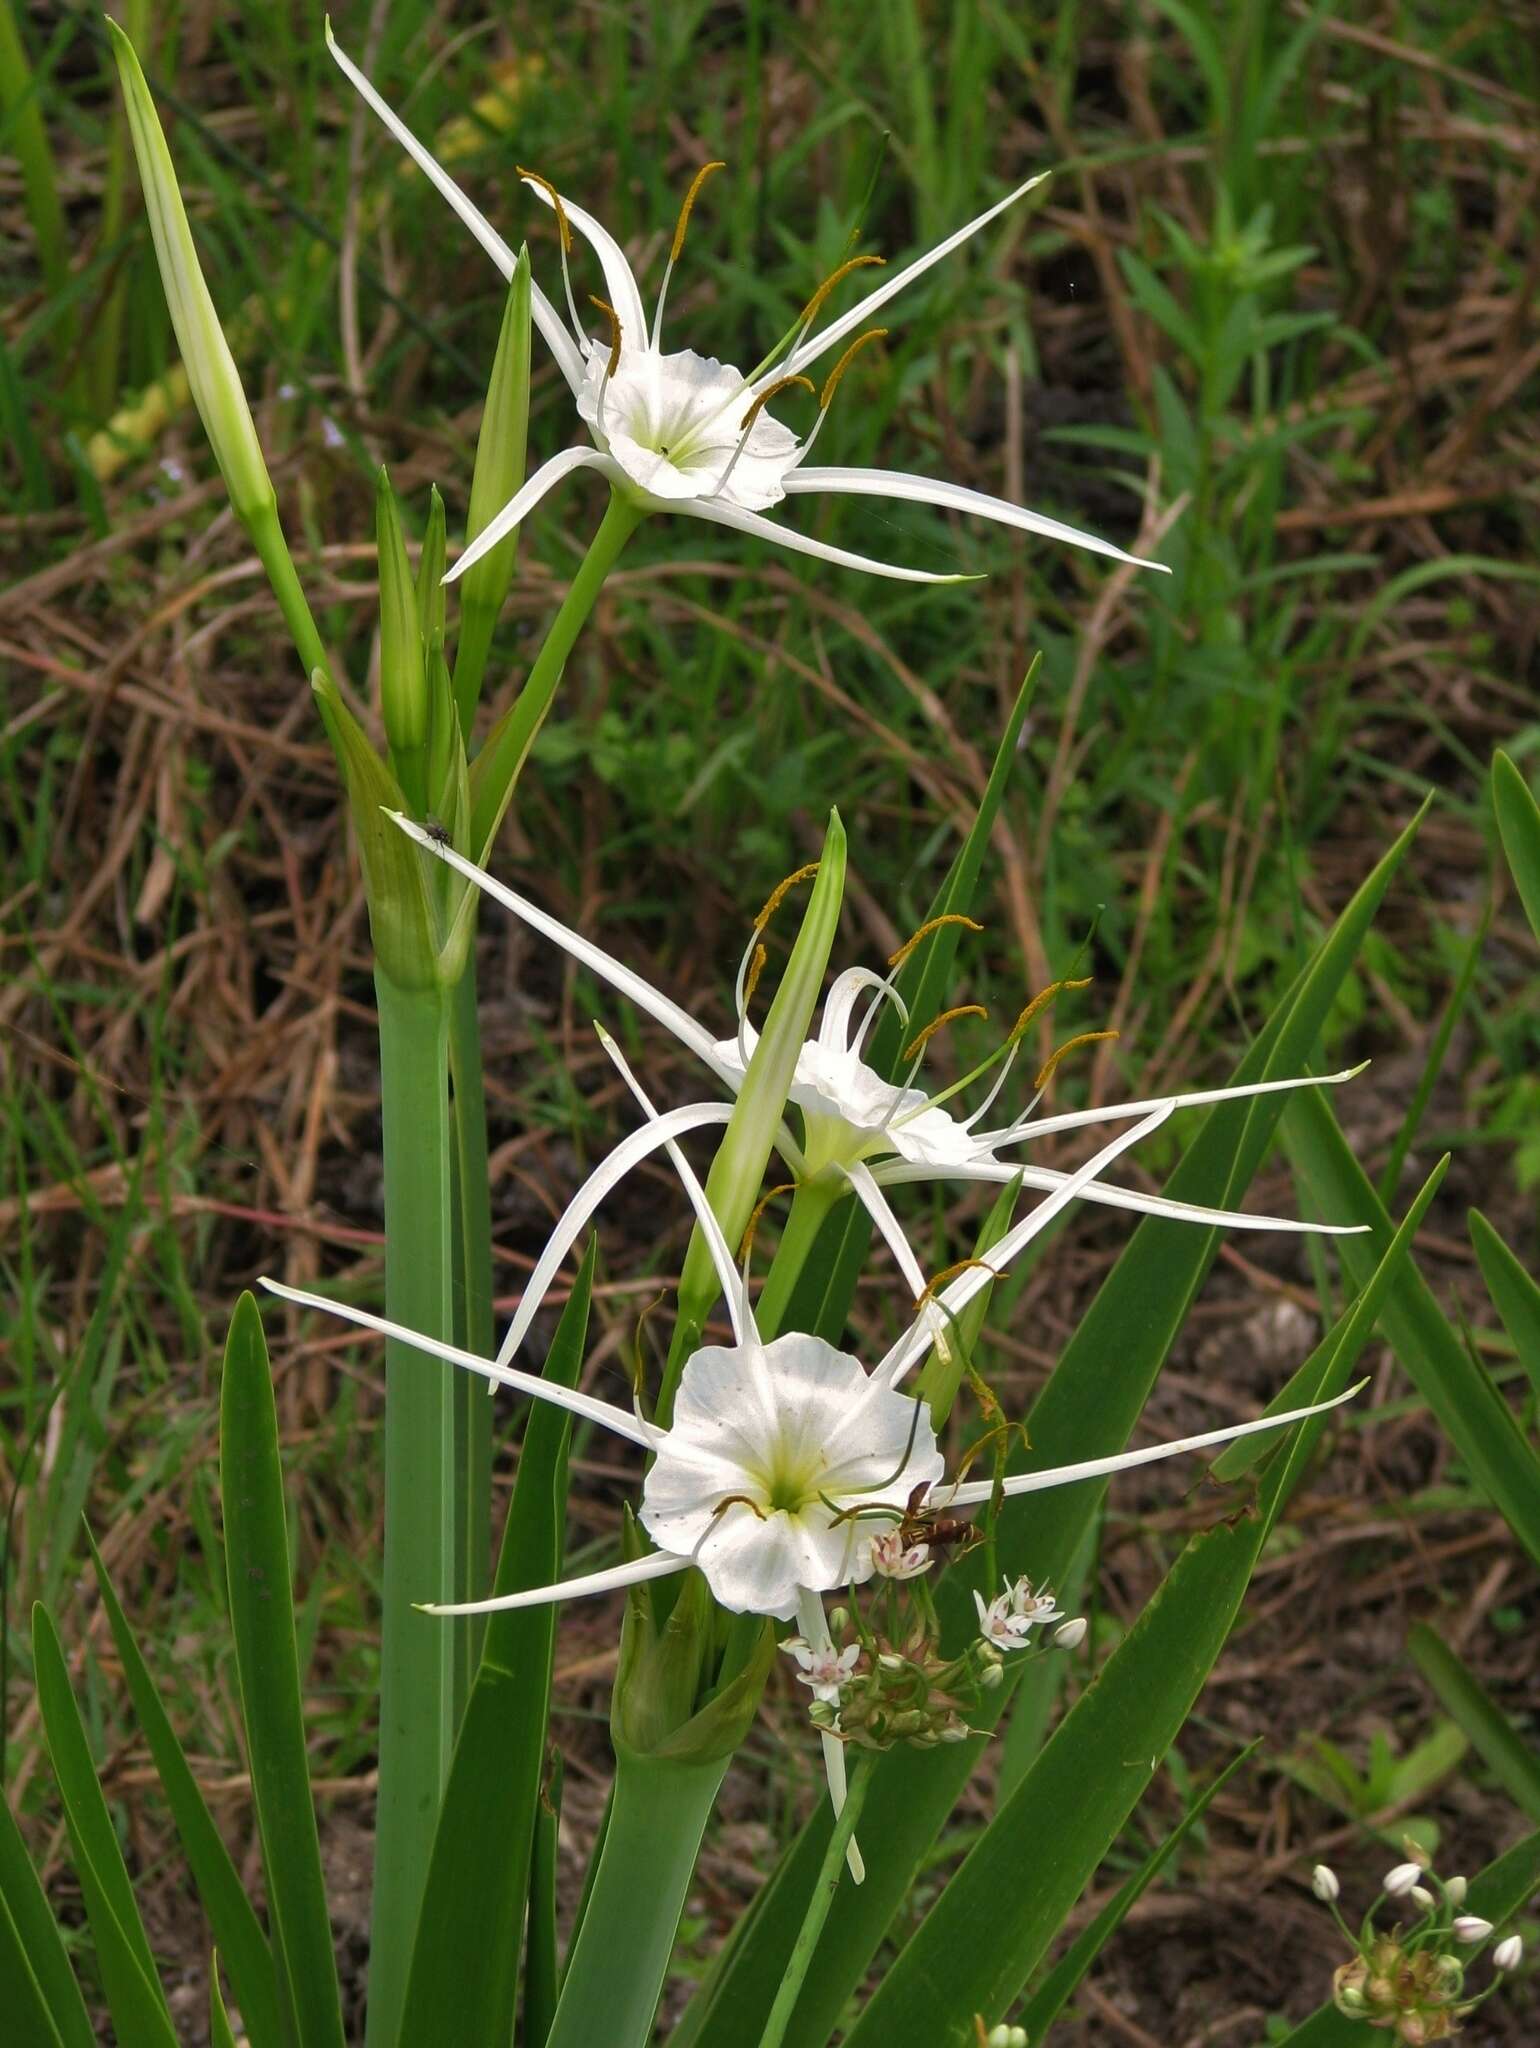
[[1518, 824], [267, 1661], [223, 1896], [1514, 1293], [36, 1931], [466, 1956], [21, 1995], [1492, 1734]]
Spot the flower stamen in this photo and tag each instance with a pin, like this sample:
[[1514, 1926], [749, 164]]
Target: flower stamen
[[614, 362], [930, 925], [1045, 1072], [746, 424], [564, 236], [746, 1242], [683, 222], [831, 383], [922, 1038]]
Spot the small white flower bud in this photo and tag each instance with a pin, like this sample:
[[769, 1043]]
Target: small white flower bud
[[1398, 1882], [839, 1621], [1323, 1883], [1471, 1927], [1454, 1891], [889, 1662], [1421, 1896], [954, 1731], [1069, 1635], [1006, 2037], [992, 1675], [1509, 1952]]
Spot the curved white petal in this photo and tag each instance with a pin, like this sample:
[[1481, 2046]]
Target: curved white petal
[[547, 319], [657, 1565], [1072, 1119], [926, 490], [630, 984], [716, 513], [860, 315], [844, 993], [815, 1633], [618, 279], [545, 478], [917, 1340], [976, 1490], [587, 1405], [732, 1283], [899, 1172], [878, 1208], [610, 1171]]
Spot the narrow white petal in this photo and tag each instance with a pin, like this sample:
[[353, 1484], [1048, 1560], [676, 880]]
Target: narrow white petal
[[610, 1171], [657, 1565], [899, 1172], [815, 1633], [717, 513], [926, 490], [878, 1208], [956, 1297], [586, 1405], [860, 316], [976, 1490], [1072, 1119], [618, 279], [731, 1279], [546, 317], [534, 488], [652, 1002]]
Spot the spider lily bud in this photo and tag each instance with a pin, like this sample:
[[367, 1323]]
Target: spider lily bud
[[497, 477], [1509, 1953], [1470, 1927], [1399, 1881], [212, 377], [1069, 1635], [659, 1710], [403, 672], [1421, 1896], [1323, 1883]]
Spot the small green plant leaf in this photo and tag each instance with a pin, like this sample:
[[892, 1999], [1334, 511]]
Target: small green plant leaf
[[1518, 825], [32, 1951], [1492, 1734], [1514, 1293], [267, 1660]]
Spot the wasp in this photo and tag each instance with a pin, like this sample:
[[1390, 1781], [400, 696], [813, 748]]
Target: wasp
[[920, 1524]]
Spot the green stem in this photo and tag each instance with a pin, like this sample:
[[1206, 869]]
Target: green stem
[[273, 552], [423, 1560], [473, 1300], [618, 1962], [810, 1205], [496, 768], [817, 1906]]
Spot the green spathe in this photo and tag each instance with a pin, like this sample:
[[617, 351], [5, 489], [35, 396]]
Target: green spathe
[[664, 1706]]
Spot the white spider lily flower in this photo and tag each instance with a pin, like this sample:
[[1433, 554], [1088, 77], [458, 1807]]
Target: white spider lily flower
[[676, 431], [892, 1558], [826, 1671], [776, 1450], [864, 1131]]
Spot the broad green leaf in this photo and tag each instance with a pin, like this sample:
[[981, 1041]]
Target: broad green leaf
[[21, 1995], [542, 1973], [220, 2032], [1062, 1981], [1088, 1408], [478, 1874], [1496, 1895], [1494, 1736], [31, 1938], [134, 1995], [219, 1887], [267, 1661], [1035, 1858], [1453, 1383], [1518, 824], [1514, 1293]]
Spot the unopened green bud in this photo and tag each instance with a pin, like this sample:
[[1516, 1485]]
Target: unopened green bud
[[403, 672], [430, 576], [498, 474], [658, 1707], [212, 377], [839, 1621]]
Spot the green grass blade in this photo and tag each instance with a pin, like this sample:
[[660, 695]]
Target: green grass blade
[[1061, 1983], [220, 1890], [129, 1978], [466, 1955], [1514, 1293], [1095, 1768], [23, 135], [1449, 1378], [1492, 1734], [21, 1996], [267, 1661], [221, 2034], [542, 1971], [1518, 825], [1088, 1407], [31, 1945], [1496, 1895]]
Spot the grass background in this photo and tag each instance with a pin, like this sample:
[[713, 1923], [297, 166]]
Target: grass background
[[1274, 316]]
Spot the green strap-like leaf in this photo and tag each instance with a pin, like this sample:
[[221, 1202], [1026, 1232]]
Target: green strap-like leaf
[[221, 2035], [542, 1972], [1088, 1408], [1496, 1895], [1033, 1861], [1454, 1384], [129, 1979], [1514, 1294], [466, 1956], [220, 1890], [267, 1660], [37, 1940], [1518, 823], [1493, 1735], [21, 1995]]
